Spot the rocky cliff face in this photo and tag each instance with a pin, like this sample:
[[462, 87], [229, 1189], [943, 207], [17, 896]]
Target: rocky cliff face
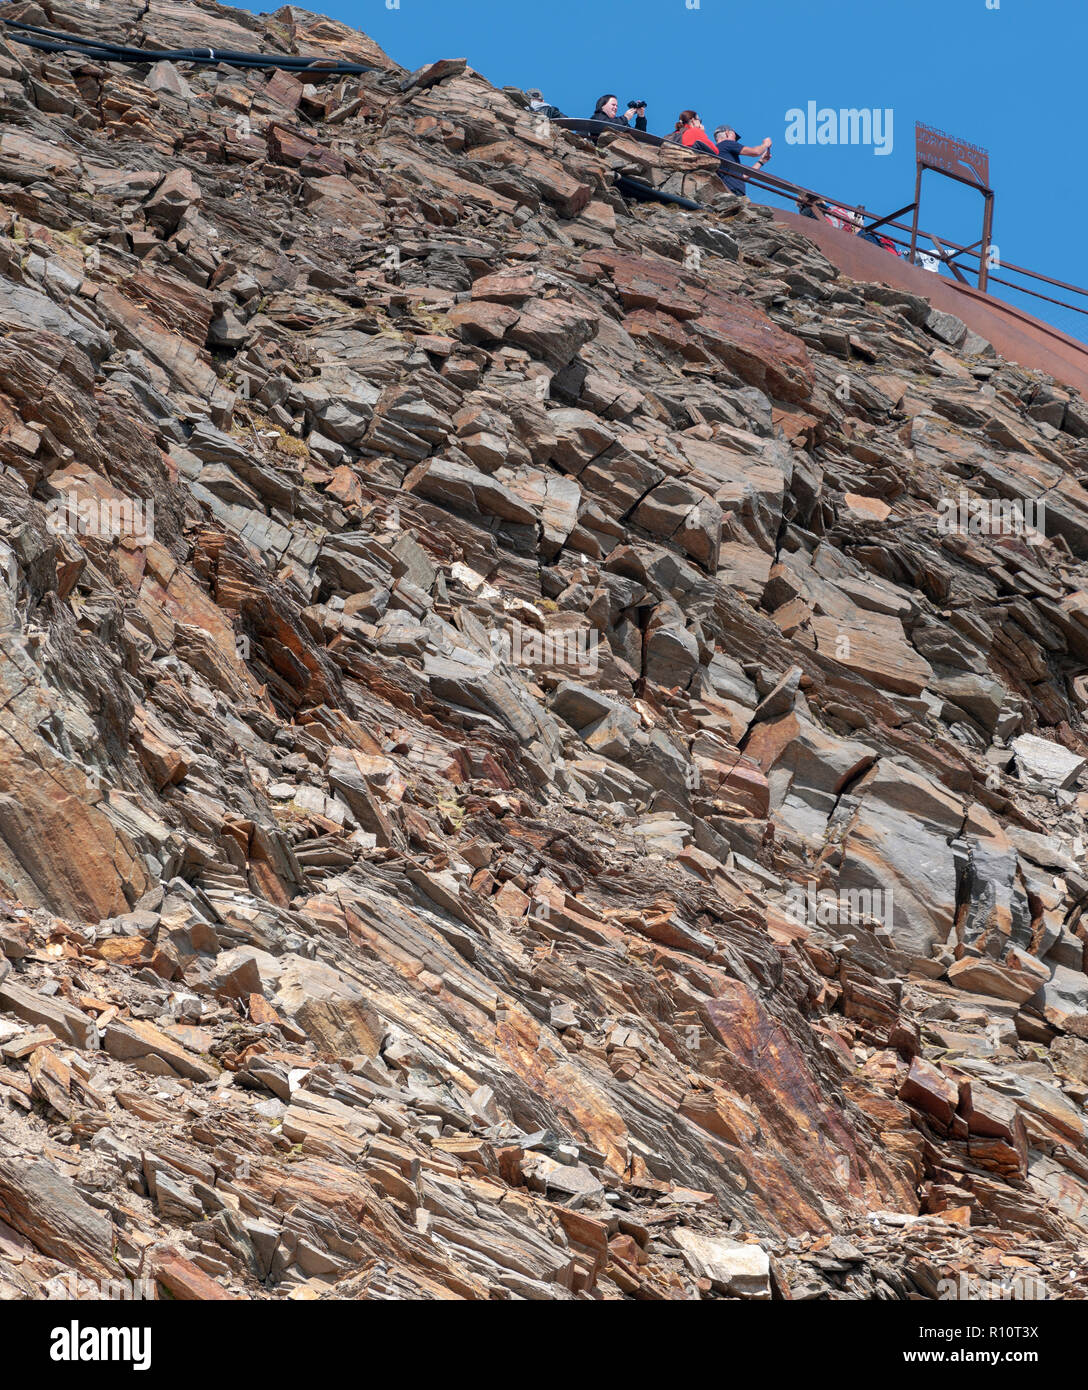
[[513, 781]]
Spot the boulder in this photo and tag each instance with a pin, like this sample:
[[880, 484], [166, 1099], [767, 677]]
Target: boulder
[[1042, 762], [741, 1271]]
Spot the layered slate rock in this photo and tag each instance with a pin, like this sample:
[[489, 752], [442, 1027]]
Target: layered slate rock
[[510, 785]]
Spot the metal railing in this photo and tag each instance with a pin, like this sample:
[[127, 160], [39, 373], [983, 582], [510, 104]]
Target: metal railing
[[946, 250]]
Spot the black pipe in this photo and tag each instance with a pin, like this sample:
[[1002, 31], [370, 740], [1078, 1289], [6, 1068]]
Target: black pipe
[[646, 193], [55, 41]]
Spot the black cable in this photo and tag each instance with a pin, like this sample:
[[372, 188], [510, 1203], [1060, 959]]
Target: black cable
[[646, 193], [56, 41]]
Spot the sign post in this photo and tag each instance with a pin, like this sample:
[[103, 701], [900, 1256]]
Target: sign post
[[966, 163]]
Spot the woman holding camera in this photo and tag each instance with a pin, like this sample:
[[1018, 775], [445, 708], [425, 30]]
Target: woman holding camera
[[608, 106]]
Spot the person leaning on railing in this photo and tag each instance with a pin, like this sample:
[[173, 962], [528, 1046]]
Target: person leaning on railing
[[731, 147]]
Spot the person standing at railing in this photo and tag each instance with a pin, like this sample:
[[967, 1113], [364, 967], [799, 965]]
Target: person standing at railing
[[730, 146], [851, 220], [885, 244], [846, 219], [690, 133], [540, 107], [607, 108]]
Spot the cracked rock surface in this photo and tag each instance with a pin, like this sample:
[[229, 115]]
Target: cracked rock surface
[[463, 640]]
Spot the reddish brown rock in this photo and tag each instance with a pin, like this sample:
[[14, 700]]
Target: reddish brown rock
[[539, 803], [929, 1090]]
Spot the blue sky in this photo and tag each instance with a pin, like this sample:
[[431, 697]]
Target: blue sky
[[1005, 74]]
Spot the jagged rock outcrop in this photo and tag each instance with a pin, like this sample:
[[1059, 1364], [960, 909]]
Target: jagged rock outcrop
[[508, 788]]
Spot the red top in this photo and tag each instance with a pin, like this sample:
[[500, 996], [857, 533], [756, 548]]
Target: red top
[[692, 135]]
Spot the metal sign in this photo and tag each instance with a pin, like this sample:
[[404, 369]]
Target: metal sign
[[936, 150], [969, 164]]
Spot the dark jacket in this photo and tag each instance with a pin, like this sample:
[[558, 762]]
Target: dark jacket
[[598, 115]]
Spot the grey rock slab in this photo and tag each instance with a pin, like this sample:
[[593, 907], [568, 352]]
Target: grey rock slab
[[1041, 760], [46, 1208], [733, 1268], [68, 1023], [24, 308]]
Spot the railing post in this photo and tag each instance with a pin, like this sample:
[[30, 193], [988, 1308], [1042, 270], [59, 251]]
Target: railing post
[[984, 250], [914, 219]]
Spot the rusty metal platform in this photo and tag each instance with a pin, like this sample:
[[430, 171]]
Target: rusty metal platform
[[1015, 335]]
